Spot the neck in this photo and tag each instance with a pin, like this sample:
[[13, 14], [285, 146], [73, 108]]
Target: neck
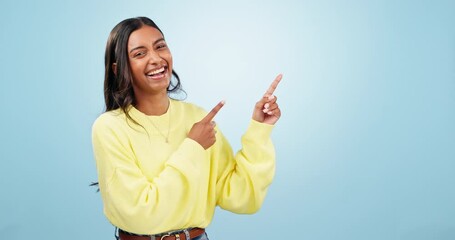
[[155, 105]]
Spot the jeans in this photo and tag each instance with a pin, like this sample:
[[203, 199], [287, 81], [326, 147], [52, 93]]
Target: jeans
[[201, 237]]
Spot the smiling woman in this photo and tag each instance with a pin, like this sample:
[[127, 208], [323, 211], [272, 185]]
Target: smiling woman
[[118, 81], [151, 65], [163, 165]]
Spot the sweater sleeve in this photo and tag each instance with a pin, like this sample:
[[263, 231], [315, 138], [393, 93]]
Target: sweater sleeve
[[245, 177], [131, 200]]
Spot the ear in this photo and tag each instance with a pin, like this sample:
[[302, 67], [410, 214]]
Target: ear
[[114, 68]]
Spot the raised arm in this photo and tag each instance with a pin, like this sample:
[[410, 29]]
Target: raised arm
[[133, 201], [245, 178]]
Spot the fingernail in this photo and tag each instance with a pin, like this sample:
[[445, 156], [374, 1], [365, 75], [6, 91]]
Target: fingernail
[[270, 113], [271, 97], [266, 105], [265, 110]]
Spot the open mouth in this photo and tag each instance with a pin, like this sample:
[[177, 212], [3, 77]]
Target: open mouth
[[158, 73]]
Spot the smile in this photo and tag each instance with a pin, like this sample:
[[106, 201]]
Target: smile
[[157, 73]]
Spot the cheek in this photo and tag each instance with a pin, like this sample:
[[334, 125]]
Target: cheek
[[136, 68], [168, 57]]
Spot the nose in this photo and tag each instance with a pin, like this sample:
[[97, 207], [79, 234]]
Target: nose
[[154, 58]]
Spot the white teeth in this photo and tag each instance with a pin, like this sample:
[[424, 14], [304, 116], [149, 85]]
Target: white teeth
[[156, 71]]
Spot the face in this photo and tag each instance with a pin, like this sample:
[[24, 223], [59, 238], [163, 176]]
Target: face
[[150, 61]]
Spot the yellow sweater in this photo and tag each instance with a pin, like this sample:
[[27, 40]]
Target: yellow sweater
[[149, 186]]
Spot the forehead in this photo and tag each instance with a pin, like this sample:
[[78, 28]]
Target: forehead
[[144, 36]]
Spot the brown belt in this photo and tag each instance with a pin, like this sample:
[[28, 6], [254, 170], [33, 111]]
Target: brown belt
[[195, 232]]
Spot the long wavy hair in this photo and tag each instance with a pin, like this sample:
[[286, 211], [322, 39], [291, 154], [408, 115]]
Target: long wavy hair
[[118, 86]]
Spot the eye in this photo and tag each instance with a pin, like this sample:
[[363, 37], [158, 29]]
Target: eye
[[161, 46], [139, 54]]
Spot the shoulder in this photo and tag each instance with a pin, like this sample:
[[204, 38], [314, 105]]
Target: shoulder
[[109, 120], [189, 109]]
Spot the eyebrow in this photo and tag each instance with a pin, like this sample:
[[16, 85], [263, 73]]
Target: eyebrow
[[157, 41]]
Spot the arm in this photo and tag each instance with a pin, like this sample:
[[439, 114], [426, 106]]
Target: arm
[[243, 183], [246, 177], [132, 201]]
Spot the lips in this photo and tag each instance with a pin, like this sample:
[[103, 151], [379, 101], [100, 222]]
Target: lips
[[157, 73]]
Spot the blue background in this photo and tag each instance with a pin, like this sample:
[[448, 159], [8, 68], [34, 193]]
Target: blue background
[[365, 146]]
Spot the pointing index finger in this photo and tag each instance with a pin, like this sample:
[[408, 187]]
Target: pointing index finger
[[274, 85], [213, 112]]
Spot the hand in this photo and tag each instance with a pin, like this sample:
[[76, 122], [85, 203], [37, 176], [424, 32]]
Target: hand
[[267, 110], [203, 132]]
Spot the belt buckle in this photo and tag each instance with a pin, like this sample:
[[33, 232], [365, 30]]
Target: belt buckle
[[166, 235], [177, 236]]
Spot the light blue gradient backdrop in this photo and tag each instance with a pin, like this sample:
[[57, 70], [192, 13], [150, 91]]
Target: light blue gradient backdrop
[[365, 146]]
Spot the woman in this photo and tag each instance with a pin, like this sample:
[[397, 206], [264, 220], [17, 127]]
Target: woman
[[163, 166]]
